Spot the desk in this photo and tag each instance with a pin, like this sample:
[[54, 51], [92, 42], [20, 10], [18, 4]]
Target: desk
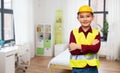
[[7, 59]]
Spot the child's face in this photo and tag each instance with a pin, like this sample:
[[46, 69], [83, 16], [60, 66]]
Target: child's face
[[85, 19]]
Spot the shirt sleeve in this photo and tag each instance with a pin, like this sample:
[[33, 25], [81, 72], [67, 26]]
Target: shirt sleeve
[[73, 40], [91, 48]]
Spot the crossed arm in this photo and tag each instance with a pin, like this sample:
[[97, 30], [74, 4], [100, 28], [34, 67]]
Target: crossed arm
[[77, 49], [74, 46]]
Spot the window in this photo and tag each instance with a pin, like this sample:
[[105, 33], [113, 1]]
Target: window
[[100, 13], [6, 21]]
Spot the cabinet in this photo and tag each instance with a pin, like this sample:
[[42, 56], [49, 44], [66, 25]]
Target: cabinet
[[44, 40], [7, 60]]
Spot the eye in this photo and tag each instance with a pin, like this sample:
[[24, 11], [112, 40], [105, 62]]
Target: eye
[[88, 16], [81, 16]]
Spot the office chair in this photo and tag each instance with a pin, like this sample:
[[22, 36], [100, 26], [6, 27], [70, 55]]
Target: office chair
[[22, 58]]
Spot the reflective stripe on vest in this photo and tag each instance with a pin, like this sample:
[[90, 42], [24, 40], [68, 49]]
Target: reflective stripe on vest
[[80, 61], [84, 57]]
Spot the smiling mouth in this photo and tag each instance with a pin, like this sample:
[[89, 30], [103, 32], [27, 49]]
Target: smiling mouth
[[85, 22]]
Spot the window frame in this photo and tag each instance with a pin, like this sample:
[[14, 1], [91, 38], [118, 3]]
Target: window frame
[[6, 11], [104, 12]]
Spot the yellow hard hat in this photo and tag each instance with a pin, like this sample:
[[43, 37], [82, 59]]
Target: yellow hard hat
[[85, 8]]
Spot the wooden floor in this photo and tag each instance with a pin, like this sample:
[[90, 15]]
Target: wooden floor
[[39, 65]]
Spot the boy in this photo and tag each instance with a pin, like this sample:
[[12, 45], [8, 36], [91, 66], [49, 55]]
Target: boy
[[84, 43]]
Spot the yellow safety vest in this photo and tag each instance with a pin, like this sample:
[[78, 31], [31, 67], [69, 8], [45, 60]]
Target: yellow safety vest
[[80, 61]]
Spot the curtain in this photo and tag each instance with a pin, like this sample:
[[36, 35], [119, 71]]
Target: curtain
[[113, 42]]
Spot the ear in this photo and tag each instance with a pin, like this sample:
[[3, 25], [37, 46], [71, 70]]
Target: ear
[[93, 17], [78, 17]]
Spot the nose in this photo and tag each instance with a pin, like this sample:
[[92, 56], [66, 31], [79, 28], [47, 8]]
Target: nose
[[85, 18]]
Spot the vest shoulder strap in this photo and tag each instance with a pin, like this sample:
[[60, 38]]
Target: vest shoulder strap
[[94, 31]]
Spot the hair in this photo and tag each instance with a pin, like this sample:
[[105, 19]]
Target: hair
[[90, 12]]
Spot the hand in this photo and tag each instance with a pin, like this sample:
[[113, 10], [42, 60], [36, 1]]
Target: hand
[[74, 46], [96, 41]]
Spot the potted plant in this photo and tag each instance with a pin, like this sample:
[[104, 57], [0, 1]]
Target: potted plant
[[104, 30]]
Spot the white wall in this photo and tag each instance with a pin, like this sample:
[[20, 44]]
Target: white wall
[[70, 16], [45, 11], [24, 23]]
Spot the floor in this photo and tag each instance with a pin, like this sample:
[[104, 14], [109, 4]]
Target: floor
[[39, 65]]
